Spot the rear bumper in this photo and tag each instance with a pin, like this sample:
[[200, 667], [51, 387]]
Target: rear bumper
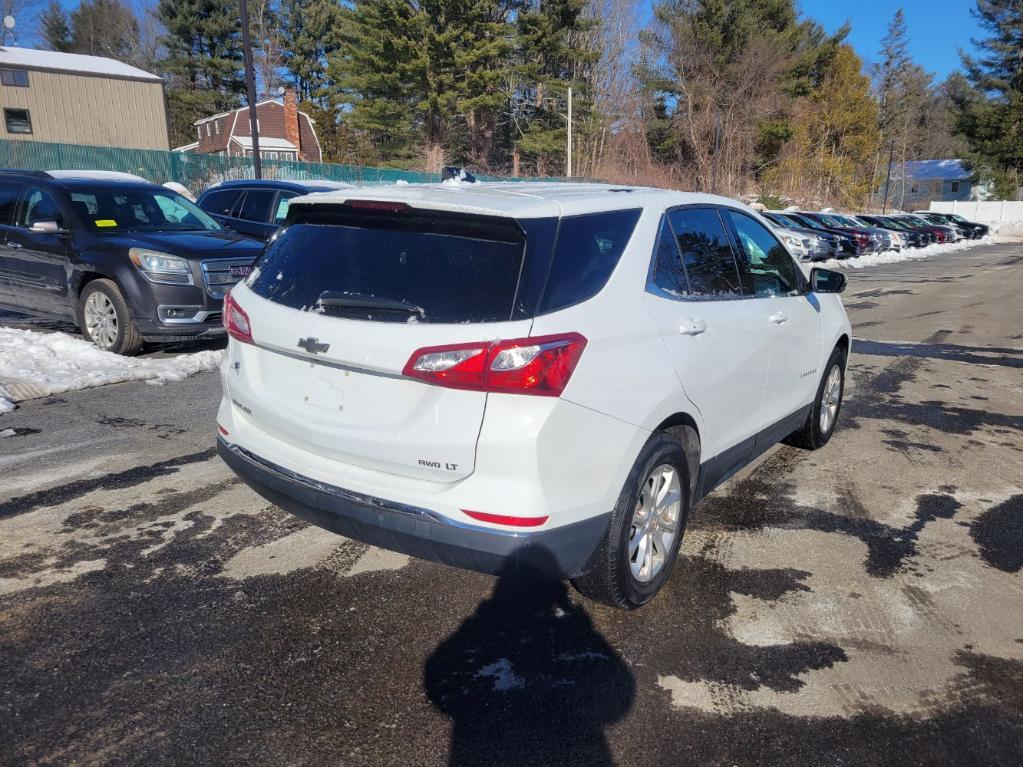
[[561, 552]]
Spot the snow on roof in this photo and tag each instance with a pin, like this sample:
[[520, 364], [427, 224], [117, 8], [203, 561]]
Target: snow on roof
[[97, 175], [75, 63], [265, 142], [935, 169], [521, 199]]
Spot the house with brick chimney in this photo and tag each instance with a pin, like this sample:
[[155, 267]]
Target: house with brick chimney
[[285, 133]]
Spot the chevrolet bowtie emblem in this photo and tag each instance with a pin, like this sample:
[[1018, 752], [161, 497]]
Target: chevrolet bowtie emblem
[[312, 345]]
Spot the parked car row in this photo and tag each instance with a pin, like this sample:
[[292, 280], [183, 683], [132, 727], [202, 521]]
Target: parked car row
[[819, 236]]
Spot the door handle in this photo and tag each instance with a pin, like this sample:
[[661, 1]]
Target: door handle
[[778, 318], [691, 327]]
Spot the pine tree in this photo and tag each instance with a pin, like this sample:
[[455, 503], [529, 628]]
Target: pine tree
[[890, 73], [990, 111], [104, 28], [552, 54], [54, 27], [377, 70], [311, 33], [202, 40]]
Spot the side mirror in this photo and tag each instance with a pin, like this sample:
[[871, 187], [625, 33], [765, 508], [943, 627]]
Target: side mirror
[[826, 281], [45, 227]]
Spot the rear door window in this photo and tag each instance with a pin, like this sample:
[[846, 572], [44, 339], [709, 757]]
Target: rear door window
[[256, 205], [8, 202], [587, 251], [408, 266], [220, 202], [706, 253]]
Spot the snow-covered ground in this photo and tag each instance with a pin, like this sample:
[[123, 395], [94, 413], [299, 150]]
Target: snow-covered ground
[[34, 364], [906, 254]]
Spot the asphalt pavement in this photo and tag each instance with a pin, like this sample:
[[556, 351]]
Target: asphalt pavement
[[862, 604]]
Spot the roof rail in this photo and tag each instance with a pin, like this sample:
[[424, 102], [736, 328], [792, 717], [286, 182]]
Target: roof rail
[[23, 172]]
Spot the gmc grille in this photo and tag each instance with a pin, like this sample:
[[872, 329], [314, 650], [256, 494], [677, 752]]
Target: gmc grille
[[217, 274]]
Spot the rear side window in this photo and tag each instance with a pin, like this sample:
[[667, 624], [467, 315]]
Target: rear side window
[[256, 205], [669, 275], [587, 251], [283, 203], [220, 202], [8, 202], [706, 253], [387, 267]]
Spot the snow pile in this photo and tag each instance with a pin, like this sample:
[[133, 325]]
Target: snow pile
[[906, 254], [34, 364]]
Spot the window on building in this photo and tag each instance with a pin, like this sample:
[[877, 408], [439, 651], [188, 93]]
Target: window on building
[[216, 127], [16, 77], [207, 130], [955, 187], [17, 121], [912, 190]]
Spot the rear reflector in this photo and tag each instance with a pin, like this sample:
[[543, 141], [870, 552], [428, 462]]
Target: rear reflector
[[222, 430], [542, 365], [503, 519], [236, 321]]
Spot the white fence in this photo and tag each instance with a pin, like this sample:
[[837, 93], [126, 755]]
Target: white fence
[[1003, 212]]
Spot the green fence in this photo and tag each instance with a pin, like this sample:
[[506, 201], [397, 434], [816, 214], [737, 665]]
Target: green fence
[[195, 171]]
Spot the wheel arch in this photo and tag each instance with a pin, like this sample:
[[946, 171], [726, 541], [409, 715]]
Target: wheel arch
[[683, 426]]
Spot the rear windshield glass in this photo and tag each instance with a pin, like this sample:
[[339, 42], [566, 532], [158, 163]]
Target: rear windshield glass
[[395, 267]]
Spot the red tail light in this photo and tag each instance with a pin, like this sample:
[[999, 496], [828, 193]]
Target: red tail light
[[541, 365], [236, 321]]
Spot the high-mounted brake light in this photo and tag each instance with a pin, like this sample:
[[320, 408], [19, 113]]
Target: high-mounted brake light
[[390, 207], [542, 365], [236, 321]]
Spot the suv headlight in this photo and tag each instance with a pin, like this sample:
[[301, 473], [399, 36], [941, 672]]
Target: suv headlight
[[160, 267]]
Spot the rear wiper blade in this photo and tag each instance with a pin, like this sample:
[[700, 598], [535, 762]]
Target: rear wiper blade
[[331, 299]]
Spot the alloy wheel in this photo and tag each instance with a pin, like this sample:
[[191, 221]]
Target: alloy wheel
[[831, 399], [655, 522], [101, 320]]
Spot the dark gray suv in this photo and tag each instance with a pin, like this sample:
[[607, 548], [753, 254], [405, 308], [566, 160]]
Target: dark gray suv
[[126, 260]]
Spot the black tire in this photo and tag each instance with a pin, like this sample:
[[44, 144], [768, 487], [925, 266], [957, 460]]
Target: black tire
[[812, 435], [611, 580], [127, 340]]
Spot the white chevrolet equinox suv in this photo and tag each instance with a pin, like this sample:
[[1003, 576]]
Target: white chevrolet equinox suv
[[510, 377]]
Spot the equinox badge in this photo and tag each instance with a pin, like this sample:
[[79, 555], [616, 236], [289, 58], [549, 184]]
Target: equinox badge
[[312, 345]]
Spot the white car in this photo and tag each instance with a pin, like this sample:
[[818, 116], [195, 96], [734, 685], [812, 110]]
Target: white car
[[800, 246], [524, 377]]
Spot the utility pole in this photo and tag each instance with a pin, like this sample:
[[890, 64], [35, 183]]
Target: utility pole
[[888, 180], [569, 173], [250, 86], [717, 146]]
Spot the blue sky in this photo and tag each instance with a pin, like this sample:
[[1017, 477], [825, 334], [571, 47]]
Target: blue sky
[[937, 28]]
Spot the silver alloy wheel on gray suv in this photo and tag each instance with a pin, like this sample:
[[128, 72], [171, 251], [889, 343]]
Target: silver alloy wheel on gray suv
[[105, 319], [101, 320]]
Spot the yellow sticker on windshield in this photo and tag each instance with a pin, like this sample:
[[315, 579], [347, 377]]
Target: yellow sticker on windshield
[[105, 222]]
